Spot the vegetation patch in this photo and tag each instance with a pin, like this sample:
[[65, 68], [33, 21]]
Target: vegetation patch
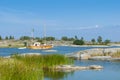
[[29, 67]]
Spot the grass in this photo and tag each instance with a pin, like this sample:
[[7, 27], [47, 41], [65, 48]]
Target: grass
[[29, 67], [11, 69], [44, 61]]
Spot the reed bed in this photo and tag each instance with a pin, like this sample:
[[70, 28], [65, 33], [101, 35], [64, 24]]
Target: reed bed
[[29, 67], [17, 70], [44, 61]]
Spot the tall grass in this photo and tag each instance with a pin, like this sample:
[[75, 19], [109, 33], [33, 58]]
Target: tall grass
[[29, 67], [44, 61], [17, 70]]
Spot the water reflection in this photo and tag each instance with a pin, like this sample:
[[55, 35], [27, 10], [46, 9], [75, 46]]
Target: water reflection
[[55, 75]]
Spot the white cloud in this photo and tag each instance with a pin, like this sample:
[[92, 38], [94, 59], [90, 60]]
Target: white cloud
[[77, 28]]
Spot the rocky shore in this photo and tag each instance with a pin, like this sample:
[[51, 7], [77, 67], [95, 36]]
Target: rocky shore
[[96, 54], [69, 68]]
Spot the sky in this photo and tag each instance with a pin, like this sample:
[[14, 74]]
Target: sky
[[83, 18]]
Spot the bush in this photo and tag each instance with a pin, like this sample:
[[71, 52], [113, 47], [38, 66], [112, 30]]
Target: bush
[[79, 42]]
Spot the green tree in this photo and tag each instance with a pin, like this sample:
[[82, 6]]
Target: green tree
[[6, 38], [0, 38], [37, 38], [64, 38], [25, 38], [50, 38], [93, 41], [82, 38], [76, 38], [79, 42], [71, 39], [11, 37], [99, 39], [107, 41]]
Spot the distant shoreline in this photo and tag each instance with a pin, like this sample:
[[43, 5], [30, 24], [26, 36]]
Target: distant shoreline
[[19, 43]]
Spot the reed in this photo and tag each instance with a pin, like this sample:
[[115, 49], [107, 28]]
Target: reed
[[17, 70], [29, 67], [44, 61]]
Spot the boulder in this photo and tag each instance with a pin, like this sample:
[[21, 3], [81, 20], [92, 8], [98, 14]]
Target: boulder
[[66, 68], [100, 58], [95, 67], [85, 56]]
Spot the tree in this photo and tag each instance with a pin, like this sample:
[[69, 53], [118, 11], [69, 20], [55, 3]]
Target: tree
[[76, 38], [6, 38], [82, 38], [11, 37], [64, 38], [99, 39], [0, 38], [93, 41], [107, 41], [79, 42], [71, 39], [50, 38], [37, 38], [25, 38]]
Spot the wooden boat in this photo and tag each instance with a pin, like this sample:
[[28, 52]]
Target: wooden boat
[[37, 45]]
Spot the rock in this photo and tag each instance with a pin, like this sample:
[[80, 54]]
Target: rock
[[30, 54], [99, 53], [95, 67], [85, 56], [66, 68], [100, 58]]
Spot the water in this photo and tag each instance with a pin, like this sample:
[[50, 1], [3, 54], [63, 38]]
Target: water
[[57, 49], [111, 70]]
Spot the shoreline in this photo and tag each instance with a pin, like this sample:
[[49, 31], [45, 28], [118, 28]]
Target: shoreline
[[19, 43]]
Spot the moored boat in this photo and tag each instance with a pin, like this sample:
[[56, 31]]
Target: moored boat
[[37, 45]]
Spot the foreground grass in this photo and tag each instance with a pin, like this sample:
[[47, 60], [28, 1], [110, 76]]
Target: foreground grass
[[12, 69], [29, 67]]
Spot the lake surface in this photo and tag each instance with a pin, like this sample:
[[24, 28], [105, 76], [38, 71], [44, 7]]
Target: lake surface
[[111, 70], [56, 49]]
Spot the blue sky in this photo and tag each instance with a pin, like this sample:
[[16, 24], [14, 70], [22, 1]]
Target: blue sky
[[84, 18]]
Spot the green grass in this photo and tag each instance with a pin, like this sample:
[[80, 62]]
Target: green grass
[[29, 67], [44, 61], [16, 70]]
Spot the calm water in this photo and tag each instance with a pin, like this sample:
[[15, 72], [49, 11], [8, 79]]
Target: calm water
[[111, 70], [57, 49]]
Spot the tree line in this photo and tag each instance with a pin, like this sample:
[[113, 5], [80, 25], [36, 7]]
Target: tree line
[[7, 38], [75, 39]]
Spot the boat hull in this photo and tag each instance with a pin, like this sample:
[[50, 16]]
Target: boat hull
[[40, 47]]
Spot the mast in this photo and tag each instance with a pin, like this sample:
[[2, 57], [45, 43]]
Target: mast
[[32, 34], [45, 33]]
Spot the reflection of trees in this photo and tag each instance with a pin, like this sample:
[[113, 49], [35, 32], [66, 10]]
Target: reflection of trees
[[55, 75]]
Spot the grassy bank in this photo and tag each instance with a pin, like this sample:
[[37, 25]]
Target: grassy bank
[[29, 67]]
